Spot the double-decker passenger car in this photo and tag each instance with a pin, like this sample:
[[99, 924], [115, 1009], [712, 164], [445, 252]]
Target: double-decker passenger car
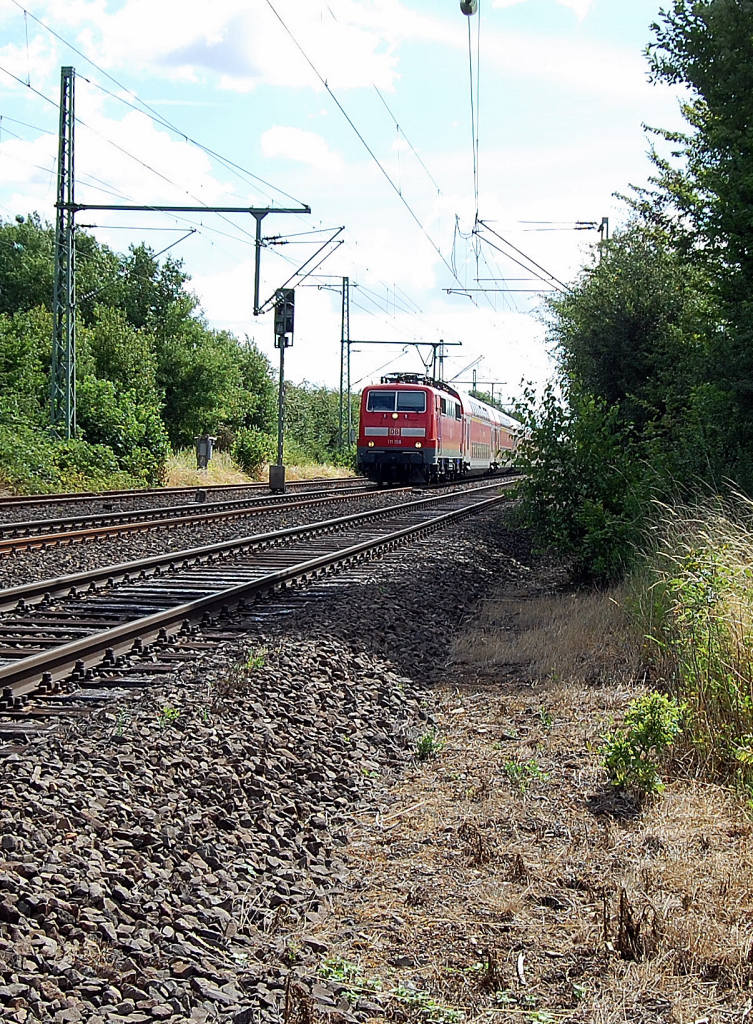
[[414, 428]]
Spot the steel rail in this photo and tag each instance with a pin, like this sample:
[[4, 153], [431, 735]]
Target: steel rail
[[27, 534], [28, 674], [64, 497]]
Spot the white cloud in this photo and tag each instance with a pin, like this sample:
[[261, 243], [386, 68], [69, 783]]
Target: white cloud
[[580, 7], [33, 65], [296, 144], [352, 43], [243, 45], [145, 164]]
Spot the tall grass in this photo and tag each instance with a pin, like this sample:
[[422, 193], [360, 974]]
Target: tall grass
[[182, 471], [695, 603]]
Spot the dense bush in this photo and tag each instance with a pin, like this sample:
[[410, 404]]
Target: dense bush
[[131, 429], [252, 448], [31, 462], [584, 490]]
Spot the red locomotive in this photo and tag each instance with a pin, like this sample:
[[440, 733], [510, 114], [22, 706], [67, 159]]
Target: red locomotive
[[416, 429]]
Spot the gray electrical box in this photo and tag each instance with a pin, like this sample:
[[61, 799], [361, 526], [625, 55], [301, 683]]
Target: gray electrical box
[[277, 479], [204, 447]]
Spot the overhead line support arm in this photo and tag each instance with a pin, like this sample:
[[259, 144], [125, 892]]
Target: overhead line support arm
[[257, 212]]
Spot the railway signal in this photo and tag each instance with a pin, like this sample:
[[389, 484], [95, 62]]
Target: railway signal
[[284, 324], [284, 315]]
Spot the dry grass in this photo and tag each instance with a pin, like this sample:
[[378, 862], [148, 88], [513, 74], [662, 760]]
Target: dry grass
[[182, 471], [543, 895], [314, 470], [584, 636]]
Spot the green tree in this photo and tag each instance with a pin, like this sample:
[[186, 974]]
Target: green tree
[[132, 429], [146, 360], [312, 420], [26, 264], [25, 347], [153, 295], [111, 349], [703, 192], [634, 328]]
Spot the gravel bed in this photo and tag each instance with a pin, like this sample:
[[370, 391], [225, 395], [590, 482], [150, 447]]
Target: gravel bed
[[167, 857], [24, 566]]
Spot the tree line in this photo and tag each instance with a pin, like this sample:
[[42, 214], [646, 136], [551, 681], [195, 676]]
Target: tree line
[[653, 400], [151, 373]]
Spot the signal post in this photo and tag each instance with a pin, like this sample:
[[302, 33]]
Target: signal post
[[284, 321]]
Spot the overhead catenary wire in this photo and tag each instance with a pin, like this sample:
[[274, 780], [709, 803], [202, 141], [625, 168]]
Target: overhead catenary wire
[[363, 141], [532, 262], [249, 239], [118, 194], [474, 139], [153, 113], [140, 105], [34, 127], [413, 150], [156, 117], [384, 366], [419, 314]]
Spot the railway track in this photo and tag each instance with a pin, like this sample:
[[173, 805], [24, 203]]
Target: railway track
[[15, 501], [66, 642], [74, 528]]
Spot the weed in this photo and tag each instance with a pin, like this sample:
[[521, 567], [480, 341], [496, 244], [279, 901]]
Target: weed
[[292, 953], [429, 745], [168, 717], [431, 1011], [256, 659], [525, 1002], [546, 718], [522, 773], [121, 722], [350, 976], [355, 983], [632, 753]]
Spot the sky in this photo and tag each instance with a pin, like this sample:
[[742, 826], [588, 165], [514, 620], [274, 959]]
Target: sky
[[367, 111]]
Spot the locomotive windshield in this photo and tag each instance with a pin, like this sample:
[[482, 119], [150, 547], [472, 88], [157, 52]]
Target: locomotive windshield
[[404, 401], [411, 401], [381, 401]]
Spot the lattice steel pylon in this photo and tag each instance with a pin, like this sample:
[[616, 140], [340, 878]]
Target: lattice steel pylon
[[63, 373], [345, 366]]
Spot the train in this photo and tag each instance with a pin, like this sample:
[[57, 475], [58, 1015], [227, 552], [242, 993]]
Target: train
[[414, 429]]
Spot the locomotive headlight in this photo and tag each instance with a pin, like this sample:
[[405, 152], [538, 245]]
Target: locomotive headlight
[[395, 415], [418, 444], [371, 444]]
